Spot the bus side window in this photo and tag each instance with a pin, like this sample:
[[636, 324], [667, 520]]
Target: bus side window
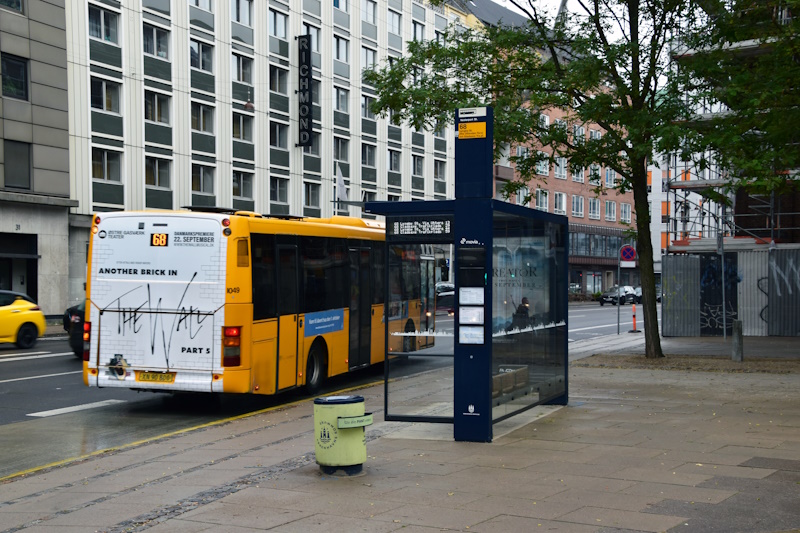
[[378, 272], [242, 253], [263, 275]]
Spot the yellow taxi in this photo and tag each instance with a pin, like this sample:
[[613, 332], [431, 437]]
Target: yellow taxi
[[21, 320]]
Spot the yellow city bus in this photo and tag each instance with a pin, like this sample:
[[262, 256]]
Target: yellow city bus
[[233, 301]]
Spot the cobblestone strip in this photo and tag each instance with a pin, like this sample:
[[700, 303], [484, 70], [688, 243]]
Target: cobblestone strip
[[158, 516], [132, 466]]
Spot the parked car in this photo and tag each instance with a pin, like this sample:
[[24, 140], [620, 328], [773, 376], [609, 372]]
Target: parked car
[[444, 286], [638, 290], [625, 294], [73, 325], [21, 320], [445, 303]]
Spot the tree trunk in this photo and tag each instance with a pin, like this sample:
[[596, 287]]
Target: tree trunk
[[644, 251]]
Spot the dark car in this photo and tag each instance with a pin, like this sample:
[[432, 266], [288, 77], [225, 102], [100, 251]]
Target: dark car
[[445, 303], [73, 325], [625, 293]]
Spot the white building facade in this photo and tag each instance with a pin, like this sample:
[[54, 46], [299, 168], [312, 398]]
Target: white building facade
[[179, 103]]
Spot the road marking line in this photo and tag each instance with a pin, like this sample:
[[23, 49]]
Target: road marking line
[[22, 353], [45, 376], [12, 359], [75, 408], [604, 326]]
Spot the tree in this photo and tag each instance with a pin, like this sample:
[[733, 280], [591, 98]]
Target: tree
[[606, 64], [746, 54]]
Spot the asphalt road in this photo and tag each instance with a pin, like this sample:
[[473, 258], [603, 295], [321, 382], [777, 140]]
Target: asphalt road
[[47, 414]]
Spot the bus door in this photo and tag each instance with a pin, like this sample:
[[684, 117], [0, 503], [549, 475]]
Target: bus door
[[288, 325], [360, 307]]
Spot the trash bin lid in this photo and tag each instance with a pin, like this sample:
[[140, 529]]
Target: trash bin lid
[[339, 399]]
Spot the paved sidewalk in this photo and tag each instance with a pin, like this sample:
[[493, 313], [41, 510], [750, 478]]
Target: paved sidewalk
[[635, 450]]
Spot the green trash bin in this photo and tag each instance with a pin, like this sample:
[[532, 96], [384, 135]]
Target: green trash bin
[[340, 442]]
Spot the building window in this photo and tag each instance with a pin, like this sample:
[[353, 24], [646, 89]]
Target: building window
[[278, 135], [367, 58], [242, 127], [156, 172], [394, 161], [242, 185], [560, 203], [560, 168], [577, 206], [366, 107], [611, 211], [368, 196], [594, 174], [279, 190], [14, 76], [343, 5], [341, 149], [15, 5], [202, 118], [542, 198], [105, 95], [106, 165], [202, 4], [156, 41], [417, 165], [278, 79], [594, 208], [340, 99], [578, 134], [242, 11], [577, 174], [103, 24], [594, 135], [625, 212], [202, 179], [242, 69], [313, 148], [611, 178], [341, 49], [522, 152], [17, 167], [394, 25], [523, 195], [313, 31], [156, 107], [418, 30], [311, 194], [543, 164], [439, 170], [544, 121], [368, 155], [201, 55], [277, 24], [369, 11]]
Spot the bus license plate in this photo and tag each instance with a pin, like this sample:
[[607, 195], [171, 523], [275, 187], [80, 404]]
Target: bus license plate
[[156, 377]]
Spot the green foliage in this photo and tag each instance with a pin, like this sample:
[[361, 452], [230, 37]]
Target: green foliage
[[747, 55]]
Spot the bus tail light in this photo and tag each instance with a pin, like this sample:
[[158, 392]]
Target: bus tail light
[[87, 336], [231, 341]]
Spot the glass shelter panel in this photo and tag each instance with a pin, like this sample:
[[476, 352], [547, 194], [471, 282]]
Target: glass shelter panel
[[419, 333], [529, 313]]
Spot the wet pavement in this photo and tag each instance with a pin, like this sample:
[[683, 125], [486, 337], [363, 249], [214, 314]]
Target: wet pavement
[[635, 450]]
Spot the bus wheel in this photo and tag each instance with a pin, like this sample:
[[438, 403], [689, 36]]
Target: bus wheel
[[315, 368], [409, 343], [26, 336]]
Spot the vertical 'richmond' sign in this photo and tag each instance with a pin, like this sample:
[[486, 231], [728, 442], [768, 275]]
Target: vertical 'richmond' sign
[[304, 89]]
